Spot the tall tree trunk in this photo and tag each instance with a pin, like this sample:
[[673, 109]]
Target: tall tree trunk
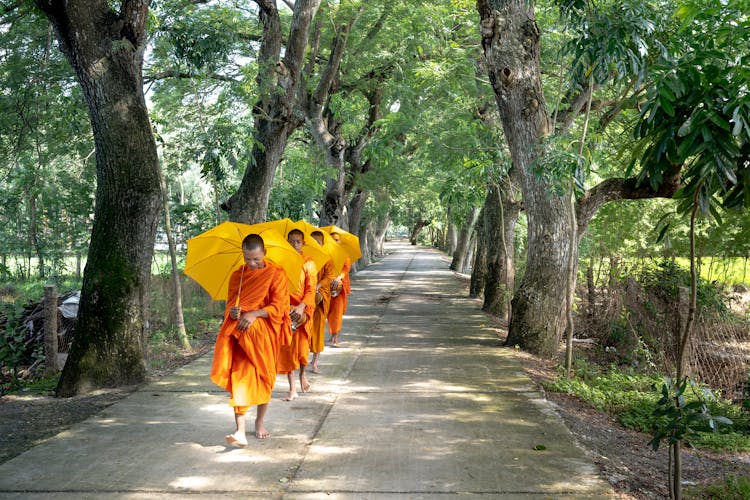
[[326, 130], [510, 40], [355, 210], [501, 210], [34, 230], [275, 112], [470, 253], [176, 284], [451, 239], [105, 49], [464, 239], [381, 230], [364, 246], [421, 223], [479, 268]]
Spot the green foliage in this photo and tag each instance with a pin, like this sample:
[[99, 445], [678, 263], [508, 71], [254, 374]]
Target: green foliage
[[46, 164], [665, 277], [730, 488], [610, 39], [695, 120], [631, 398], [12, 347], [679, 419]]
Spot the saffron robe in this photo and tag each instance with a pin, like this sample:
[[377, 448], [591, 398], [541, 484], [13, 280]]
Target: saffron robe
[[339, 303], [244, 363], [318, 329], [295, 354]]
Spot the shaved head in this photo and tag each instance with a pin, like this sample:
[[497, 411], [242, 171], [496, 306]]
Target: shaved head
[[253, 242], [318, 236], [297, 232]]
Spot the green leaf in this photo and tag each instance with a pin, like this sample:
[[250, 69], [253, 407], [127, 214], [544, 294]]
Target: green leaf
[[685, 128]]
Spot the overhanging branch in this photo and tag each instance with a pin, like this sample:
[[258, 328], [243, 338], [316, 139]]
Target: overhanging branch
[[622, 189]]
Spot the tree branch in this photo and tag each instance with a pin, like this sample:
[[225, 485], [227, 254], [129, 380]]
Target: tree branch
[[134, 14], [331, 70], [622, 189], [304, 11], [375, 29], [174, 73]]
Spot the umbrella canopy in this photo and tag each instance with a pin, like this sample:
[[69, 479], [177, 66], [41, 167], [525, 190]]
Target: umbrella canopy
[[335, 251], [213, 256], [349, 242], [310, 248]]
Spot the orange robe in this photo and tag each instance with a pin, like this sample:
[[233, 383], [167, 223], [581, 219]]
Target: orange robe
[[317, 340], [338, 303], [245, 362], [295, 354]]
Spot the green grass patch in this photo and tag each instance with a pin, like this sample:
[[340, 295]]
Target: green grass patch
[[731, 488], [632, 397]]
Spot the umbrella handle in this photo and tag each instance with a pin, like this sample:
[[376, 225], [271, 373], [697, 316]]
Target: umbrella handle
[[239, 290]]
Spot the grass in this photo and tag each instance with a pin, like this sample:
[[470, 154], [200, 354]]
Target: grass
[[730, 488], [632, 397]]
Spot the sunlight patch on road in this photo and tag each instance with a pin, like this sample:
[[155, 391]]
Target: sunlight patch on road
[[191, 482]]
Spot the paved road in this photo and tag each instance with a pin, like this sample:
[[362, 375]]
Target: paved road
[[421, 401]]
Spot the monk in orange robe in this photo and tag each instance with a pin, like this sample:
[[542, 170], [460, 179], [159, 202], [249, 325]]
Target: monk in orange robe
[[256, 324], [302, 304], [340, 290], [322, 304]]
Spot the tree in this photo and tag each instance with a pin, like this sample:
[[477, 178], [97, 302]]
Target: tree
[[45, 138], [105, 48], [279, 81], [697, 119], [511, 41]]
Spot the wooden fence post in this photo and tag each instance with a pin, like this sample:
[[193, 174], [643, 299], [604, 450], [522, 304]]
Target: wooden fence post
[[50, 329]]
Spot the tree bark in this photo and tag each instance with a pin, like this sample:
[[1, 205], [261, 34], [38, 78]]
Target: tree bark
[[479, 268], [501, 210], [416, 230], [451, 236], [275, 117], [176, 284], [621, 189], [469, 258], [380, 231], [105, 49], [464, 240], [510, 41]]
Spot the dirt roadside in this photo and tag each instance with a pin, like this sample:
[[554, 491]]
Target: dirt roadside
[[623, 456]]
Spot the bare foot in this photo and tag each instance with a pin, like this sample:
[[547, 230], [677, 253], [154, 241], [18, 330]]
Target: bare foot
[[261, 432], [236, 440], [315, 369], [304, 384], [291, 396]]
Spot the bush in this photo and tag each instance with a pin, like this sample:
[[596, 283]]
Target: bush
[[731, 488], [632, 397]]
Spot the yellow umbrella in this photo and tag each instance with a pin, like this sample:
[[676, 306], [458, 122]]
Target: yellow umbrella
[[333, 249], [348, 241], [212, 256], [310, 248]]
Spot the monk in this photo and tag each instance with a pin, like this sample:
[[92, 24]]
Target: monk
[[322, 304], [302, 302], [340, 290], [256, 323]]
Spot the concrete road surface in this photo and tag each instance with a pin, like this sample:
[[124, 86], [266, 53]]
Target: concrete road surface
[[421, 401]]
